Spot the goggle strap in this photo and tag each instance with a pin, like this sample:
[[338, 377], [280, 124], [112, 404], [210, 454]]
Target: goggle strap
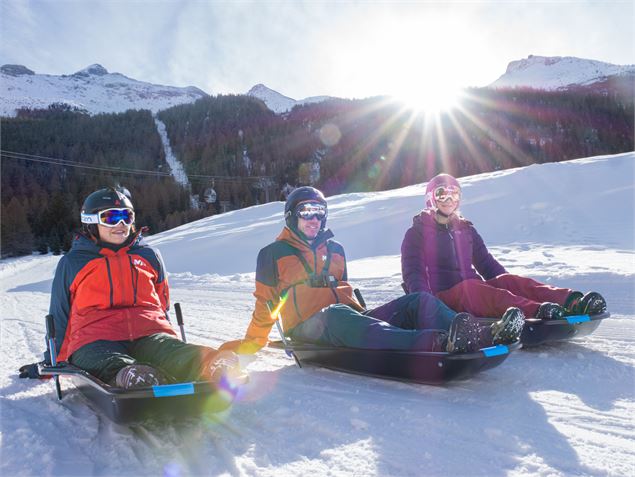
[[90, 218]]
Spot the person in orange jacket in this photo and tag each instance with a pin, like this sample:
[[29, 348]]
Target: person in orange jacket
[[110, 301], [303, 277]]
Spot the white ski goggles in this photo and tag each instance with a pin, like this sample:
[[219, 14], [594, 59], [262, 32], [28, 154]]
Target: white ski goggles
[[110, 217], [310, 210], [446, 193]]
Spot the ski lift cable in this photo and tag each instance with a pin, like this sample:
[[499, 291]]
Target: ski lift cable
[[68, 163]]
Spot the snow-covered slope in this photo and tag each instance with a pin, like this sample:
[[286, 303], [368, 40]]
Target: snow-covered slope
[[559, 410], [279, 103], [93, 89], [551, 73]]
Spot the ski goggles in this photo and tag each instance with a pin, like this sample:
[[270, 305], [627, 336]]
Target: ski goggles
[[310, 210], [446, 193], [110, 217]]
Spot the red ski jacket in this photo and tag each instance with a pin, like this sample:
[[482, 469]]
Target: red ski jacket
[[102, 294]]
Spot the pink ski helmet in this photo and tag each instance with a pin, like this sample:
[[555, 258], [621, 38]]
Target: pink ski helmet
[[436, 182]]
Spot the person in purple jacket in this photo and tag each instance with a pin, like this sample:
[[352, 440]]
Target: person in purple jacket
[[443, 254]]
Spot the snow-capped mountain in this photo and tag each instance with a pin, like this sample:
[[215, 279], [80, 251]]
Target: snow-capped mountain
[[93, 89], [559, 72], [280, 103]]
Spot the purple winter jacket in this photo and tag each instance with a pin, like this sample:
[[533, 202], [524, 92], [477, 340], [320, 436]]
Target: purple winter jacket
[[435, 257]]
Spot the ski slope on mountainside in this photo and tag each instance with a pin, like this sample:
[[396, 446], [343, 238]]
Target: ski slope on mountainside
[[557, 410]]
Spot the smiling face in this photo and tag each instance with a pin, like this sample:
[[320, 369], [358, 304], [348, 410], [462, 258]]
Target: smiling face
[[310, 228], [114, 235], [448, 207]]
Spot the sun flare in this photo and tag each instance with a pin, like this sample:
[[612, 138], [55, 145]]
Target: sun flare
[[430, 98]]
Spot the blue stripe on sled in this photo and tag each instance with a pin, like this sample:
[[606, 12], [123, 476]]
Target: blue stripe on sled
[[173, 389], [572, 320], [495, 350]]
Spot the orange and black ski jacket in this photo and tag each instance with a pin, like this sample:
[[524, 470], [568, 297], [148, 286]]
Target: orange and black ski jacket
[[102, 294], [301, 279]]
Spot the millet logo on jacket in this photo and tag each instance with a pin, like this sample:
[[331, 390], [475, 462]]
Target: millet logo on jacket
[[139, 262]]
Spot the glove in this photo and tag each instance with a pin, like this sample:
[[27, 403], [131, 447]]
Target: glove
[[241, 346], [31, 371]]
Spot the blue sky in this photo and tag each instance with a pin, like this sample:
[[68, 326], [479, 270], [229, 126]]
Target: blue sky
[[302, 49]]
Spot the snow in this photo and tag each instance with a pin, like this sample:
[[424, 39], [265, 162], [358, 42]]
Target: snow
[[93, 89], [556, 72], [557, 410], [278, 103], [176, 167]]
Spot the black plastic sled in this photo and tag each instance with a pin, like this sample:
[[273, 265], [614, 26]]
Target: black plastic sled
[[537, 332], [164, 402], [167, 401], [425, 367]]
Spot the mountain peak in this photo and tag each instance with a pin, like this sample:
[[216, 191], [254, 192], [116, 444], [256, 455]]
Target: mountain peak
[[260, 89], [95, 69], [92, 89], [557, 72], [275, 101], [16, 70]]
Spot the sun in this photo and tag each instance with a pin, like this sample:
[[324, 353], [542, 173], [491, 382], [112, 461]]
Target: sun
[[430, 97], [415, 58]]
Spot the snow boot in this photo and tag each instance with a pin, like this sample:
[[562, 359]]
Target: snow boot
[[463, 336], [592, 304], [136, 376], [572, 303], [550, 311], [507, 330]]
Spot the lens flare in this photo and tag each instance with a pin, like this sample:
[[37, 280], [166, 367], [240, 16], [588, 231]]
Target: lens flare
[[275, 313]]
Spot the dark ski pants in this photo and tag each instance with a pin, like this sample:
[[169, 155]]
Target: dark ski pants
[[491, 298], [174, 358], [417, 321]]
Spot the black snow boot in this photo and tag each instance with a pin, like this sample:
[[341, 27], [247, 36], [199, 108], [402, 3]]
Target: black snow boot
[[463, 336], [550, 311], [572, 303], [507, 330], [138, 376], [592, 304]]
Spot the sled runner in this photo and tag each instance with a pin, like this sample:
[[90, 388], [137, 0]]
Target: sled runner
[[537, 332], [167, 401], [425, 367]]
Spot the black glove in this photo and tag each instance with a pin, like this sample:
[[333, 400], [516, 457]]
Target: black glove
[[31, 371]]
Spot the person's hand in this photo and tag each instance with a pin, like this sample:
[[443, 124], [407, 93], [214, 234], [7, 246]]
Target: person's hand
[[241, 346], [31, 371]]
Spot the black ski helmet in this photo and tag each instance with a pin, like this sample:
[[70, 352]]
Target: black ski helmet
[[102, 199], [299, 195]]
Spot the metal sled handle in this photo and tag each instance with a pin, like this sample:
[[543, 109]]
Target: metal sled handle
[[50, 344], [285, 342]]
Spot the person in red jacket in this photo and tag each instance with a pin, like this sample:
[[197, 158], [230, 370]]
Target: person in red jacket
[[302, 277], [442, 253], [110, 301]]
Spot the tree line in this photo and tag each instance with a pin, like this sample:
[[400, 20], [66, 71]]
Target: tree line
[[336, 145], [41, 199]]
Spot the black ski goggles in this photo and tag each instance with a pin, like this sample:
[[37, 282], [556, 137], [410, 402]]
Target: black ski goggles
[[310, 210]]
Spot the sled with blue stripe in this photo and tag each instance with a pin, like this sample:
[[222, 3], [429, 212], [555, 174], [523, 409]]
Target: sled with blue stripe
[[537, 332], [425, 367], [164, 402]]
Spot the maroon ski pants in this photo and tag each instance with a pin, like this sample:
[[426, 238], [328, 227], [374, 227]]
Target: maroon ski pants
[[492, 297]]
